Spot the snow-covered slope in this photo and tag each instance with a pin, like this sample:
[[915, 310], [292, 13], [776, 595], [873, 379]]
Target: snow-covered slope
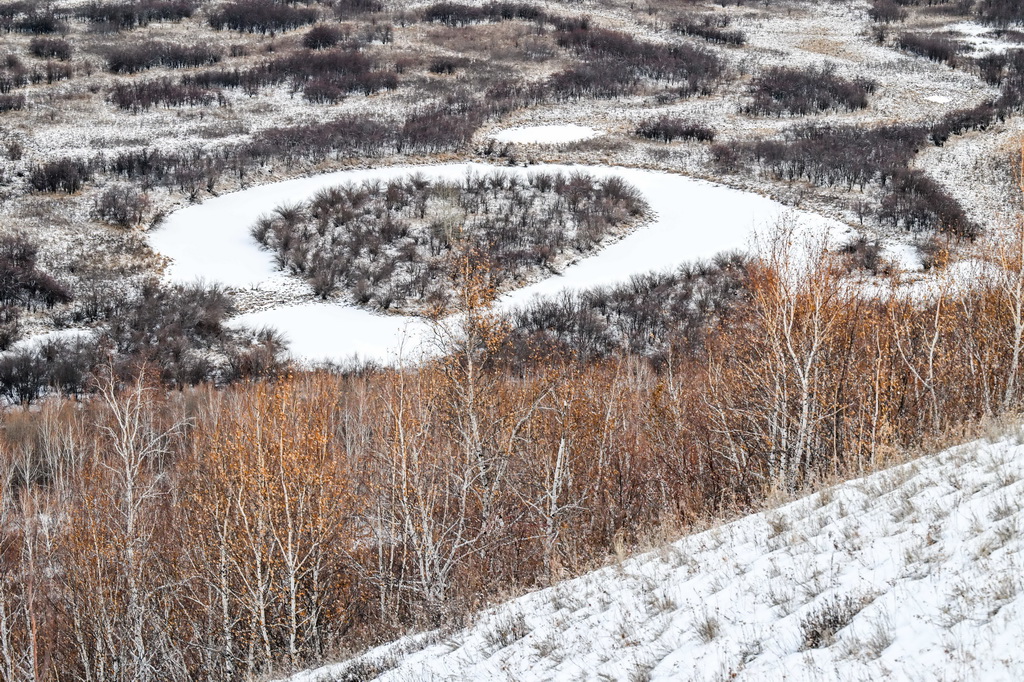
[[914, 573]]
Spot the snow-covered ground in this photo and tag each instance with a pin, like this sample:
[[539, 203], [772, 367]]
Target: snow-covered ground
[[552, 134], [915, 573], [692, 219]]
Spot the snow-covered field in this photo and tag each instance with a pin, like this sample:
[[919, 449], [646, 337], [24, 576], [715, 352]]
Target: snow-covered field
[[552, 134], [915, 573], [692, 219]]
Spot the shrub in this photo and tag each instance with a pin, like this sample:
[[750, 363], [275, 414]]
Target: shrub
[[40, 23], [393, 243], [863, 254], [323, 75], [50, 48], [829, 155], [962, 120], [143, 56], [820, 627], [322, 36], [667, 129], [143, 95], [616, 61], [121, 205], [934, 47], [710, 27], [11, 102], [781, 90], [261, 16], [650, 315], [1000, 12], [22, 377], [64, 175], [10, 326], [444, 65], [917, 203], [344, 9], [129, 15], [21, 282], [457, 14], [886, 11]]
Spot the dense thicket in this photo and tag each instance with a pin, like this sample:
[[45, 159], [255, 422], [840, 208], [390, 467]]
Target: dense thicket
[[457, 14], [21, 282], [177, 332], [50, 48], [392, 244], [146, 55], [261, 16], [1000, 12], [887, 11], [830, 155], [139, 96], [614, 63], [668, 128], [14, 74], [935, 47], [115, 16], [657, 315], [803, 91], [855, 157], [223, 534], [323, 75], [63, 175], [712, 27], [23, 286]]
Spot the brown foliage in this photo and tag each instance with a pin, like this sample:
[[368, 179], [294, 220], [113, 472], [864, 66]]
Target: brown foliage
[[218, 534]]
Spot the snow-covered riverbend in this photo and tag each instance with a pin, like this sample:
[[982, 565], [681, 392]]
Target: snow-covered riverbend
[[691, 219]]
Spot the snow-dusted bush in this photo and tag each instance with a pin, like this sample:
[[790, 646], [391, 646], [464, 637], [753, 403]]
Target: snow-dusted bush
[[21, 282], [121, 205], [917, 203], [40, 22], [344, 9], [614, 62], [261, 16], [322, 75], [712, 27], [886, 11], [152, 53], [143, 95], [828, 155], [322, 36], [457, 14], [64, 175], [802, 91], [934, 47], [1001, 12], [12, 102], [50, 48], [668, 128], [655, 315], [960, 121], [114, 16], [393, 244]]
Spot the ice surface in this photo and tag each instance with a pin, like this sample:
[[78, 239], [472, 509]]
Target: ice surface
[[547, 134], [692, 219]]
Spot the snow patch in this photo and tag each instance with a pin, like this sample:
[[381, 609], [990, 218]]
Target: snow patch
[[548, 134]]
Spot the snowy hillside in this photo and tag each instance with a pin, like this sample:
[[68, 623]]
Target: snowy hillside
[[911, 574]]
